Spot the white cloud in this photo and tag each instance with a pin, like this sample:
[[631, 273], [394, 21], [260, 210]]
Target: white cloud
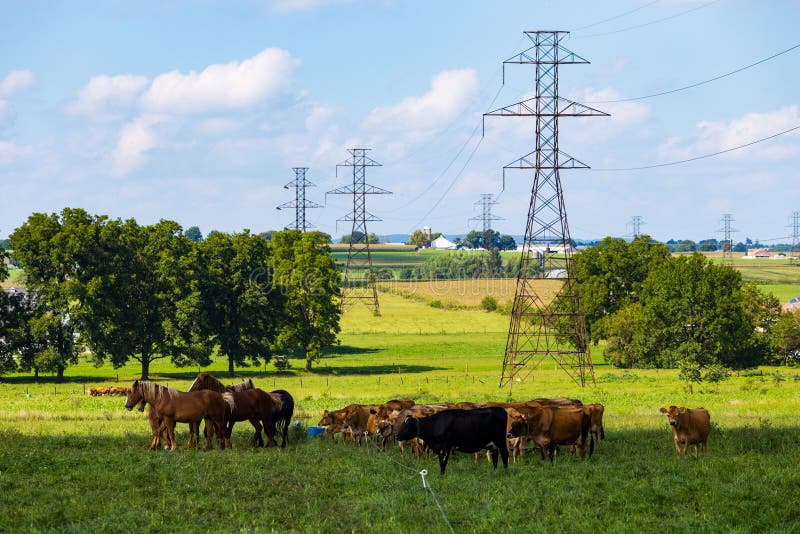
[[10, 152], [14, 81], [104, 95], [319, 117], [450, 92], [711, 136], [234, 85], [623, 114], [136, 139]]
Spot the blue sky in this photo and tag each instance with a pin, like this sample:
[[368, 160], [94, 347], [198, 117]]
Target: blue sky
[[197, 111]]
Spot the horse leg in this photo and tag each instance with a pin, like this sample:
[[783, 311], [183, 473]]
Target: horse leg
[[257, 440], [269, 430], [170, 424]]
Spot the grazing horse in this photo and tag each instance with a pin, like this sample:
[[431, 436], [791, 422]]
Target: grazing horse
[[252, 405], [173, 406]]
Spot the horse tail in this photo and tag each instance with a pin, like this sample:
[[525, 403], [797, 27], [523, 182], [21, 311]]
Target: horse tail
[[229, 400], [287, 406]]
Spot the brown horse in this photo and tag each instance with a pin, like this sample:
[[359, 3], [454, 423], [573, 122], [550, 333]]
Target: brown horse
[[252, 405], [173, 406], [282, 402]]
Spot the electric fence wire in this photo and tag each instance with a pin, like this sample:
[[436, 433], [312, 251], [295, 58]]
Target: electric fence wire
[[425, 484]]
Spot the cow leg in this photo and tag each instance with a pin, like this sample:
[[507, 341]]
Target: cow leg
[[257, 439], [495, 455], [677, 449], [696, 451], [443, 455]]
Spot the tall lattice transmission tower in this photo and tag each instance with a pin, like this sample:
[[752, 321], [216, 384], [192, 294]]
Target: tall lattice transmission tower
[[486, 217], [300, 203], [636, 223], [795, 226], [544, 328], [727, 243], [359, 276]]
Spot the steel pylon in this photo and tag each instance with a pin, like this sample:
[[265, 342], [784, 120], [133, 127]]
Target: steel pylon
[[486, 202], [359, 276], [300, 204], [547, 319]]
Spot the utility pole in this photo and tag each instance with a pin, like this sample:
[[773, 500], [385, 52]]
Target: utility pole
[[727, 242], [636, 223], [359, 277], [796, 234], [544, 327], [300, 204], [486, 202]]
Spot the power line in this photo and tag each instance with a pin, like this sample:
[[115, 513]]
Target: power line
[[615, 17], [643, 167], [449, 187], [691, 86], [651, 22]]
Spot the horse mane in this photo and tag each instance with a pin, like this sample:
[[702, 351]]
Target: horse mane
[[152, 392], [244, 385]]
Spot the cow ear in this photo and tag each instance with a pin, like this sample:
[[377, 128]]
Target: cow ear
[[682, 409], [663, 410], [373, 411]]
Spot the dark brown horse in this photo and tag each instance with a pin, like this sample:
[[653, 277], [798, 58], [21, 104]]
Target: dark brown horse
[[282, 411], [208, 381], [252, 405], [173, 406]]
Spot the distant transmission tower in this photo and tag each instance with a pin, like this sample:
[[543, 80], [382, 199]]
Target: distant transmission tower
[[541, 327], [636, 223], [359, 277], [300, 204], [796, 234], [727, 242], [486, 202]]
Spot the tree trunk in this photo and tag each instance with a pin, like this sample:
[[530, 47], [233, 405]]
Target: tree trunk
[[230, 366], [60, 375], [36, 374], [145, 366], [308, 359]]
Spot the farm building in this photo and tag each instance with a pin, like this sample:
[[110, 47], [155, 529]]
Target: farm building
[[758, 253], [539, 249], [442, 243]]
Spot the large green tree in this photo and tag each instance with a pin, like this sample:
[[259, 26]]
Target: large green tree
[[139, 296], [694, 307], [241, 312], [306, 273], [610, 275], [52, 248]]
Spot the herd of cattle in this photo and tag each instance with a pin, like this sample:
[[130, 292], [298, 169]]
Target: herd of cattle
[[500, 428], [108, 390]]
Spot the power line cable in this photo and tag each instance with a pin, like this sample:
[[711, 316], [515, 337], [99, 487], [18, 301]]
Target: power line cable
[[715, 78], [615, 17], [643, 167], [449, 187], [651, 22]]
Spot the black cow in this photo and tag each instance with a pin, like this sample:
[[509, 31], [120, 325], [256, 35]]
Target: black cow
[[462, 430]]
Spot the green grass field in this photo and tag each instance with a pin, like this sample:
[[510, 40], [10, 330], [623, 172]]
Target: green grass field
[[74, 463]]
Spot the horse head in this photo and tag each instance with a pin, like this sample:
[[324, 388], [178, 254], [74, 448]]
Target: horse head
[[134, 397]]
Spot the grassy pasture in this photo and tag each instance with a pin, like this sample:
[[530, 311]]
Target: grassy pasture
[[70, 462]]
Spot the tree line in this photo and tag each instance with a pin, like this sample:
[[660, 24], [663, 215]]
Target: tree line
[[117, 291], [656, 310]]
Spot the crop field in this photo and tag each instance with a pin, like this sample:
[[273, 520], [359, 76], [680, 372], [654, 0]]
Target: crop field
[[70, 462]]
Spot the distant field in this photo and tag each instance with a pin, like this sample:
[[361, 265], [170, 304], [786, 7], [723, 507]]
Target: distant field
[[784, 292], [15, 279], [467, 292]]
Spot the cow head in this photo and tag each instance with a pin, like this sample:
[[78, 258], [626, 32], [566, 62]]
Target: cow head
[[673, 414], [518, 428], [409, 429]]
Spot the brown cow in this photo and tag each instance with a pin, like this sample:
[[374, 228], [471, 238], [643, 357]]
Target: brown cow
[[689, 427], [550, 426]]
